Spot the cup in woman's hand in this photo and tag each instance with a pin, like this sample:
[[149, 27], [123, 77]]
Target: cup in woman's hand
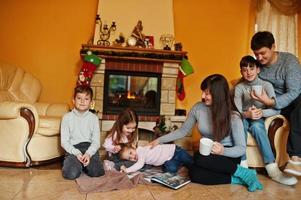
[[205, 146], [257, 89]]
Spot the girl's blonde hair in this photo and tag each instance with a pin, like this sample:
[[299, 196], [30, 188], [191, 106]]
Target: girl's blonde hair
[[126, 116]]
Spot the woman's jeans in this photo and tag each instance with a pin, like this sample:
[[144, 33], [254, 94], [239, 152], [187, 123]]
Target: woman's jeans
[[258, 131], [180, 158]]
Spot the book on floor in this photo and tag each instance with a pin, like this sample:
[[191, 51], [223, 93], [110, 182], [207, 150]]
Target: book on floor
[[172, 180]]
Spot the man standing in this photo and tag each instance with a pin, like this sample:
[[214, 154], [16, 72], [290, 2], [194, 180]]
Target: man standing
[[283, 70]]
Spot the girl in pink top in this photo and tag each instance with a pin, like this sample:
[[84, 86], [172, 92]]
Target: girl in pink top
[[124, 131], [169, 155]]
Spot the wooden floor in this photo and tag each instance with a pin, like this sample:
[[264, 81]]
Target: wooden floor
[[47, 183]]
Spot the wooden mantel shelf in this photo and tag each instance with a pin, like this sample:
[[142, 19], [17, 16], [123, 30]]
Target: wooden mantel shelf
[[134, 53]]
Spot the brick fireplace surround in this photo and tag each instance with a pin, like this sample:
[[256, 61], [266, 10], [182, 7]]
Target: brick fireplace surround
[[141, 60]]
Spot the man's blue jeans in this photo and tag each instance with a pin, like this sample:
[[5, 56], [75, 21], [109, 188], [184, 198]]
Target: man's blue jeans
[[180, 158], [258, 131]]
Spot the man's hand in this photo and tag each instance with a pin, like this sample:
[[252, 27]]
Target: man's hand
[[153, 143], [253, 113], [263, 98], [86, 159], [217, 148], [123, 169]]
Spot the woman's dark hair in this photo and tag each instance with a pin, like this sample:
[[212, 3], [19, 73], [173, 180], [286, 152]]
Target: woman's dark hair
[[222, 105], [83, 89], [249, 61], [126, 116], [262, 39]]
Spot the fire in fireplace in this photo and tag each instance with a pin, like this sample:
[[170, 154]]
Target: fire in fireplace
[[138, 90]]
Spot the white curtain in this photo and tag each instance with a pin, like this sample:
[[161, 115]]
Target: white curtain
[[282, 25]]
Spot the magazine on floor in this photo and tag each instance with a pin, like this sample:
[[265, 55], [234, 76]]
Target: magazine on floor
[[172, 180]]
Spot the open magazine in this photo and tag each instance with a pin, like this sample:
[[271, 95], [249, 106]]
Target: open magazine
[[172, 180], [155, 174]]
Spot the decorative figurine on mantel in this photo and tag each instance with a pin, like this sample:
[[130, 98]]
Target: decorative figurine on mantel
[[137, 35], [104, 31]]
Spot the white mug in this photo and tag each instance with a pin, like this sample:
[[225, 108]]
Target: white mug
[[205, 146], [257, 89]]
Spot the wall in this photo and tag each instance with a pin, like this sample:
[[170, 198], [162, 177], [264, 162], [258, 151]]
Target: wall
[[44, 37], [214, 38]]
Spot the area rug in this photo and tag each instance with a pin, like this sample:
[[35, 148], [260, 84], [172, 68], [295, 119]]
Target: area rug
[[112, 180]]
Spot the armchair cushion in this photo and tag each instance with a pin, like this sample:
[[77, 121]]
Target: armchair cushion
[[49, 126], [18, 85], [30, 130]]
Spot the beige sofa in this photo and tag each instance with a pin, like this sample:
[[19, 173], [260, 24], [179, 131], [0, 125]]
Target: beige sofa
[[29, 130]]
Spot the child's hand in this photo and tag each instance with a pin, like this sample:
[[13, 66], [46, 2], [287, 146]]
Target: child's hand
[[153, 143], [86, 159], [254, 113], [117, 148], [123, 169], [80, 158], [263, 98]]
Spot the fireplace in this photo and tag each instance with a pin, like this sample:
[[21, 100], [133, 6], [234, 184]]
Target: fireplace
[[140, 91], [115, 83]]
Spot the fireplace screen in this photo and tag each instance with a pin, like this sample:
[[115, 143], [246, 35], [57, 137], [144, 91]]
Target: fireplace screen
[[140, 91]]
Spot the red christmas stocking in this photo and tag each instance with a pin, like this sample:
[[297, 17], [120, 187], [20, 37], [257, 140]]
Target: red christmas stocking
[[180, 86]]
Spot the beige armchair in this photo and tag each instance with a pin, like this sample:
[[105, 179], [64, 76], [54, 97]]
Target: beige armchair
[[29, 130], [277, 129]]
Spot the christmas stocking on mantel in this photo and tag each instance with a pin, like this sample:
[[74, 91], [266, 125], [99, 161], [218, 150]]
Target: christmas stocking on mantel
[[91, 62], [184, 70]]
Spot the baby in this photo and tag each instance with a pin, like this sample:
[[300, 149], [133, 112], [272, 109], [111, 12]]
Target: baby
[[172, 157]]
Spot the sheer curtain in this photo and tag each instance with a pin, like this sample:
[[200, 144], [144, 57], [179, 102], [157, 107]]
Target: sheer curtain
[[280, 18]]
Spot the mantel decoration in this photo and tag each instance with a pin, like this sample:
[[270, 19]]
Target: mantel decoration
[[164, 126], [167, 41], [104, 31], [137, 38], [185, 69], [91, 62]]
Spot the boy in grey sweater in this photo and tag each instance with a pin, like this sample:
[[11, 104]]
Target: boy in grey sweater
[[254, 113], [80, 137]]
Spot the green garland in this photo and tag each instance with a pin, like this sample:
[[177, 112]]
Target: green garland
[[134, 54]]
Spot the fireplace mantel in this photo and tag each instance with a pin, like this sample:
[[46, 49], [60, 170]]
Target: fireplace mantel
[[134, 53]]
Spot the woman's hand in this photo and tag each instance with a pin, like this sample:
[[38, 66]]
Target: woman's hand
[[217, 148], [153, 143]]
